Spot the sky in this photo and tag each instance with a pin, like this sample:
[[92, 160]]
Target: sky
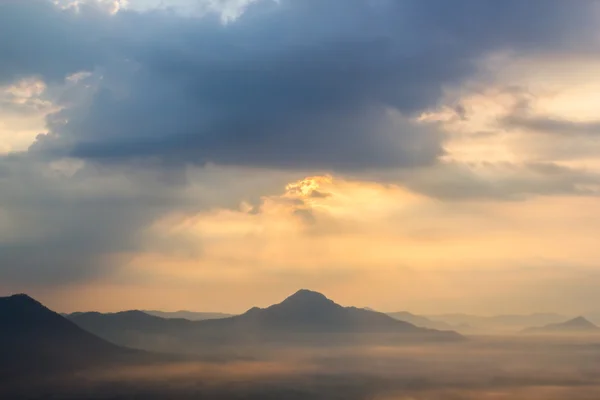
[[212, 155]]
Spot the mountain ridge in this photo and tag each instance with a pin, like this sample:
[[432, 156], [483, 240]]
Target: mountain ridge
[[421, 321], [36, 340], [578, 324], [305, 314]]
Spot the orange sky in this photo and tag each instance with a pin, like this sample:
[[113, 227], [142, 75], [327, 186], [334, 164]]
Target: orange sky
[[506, 220]]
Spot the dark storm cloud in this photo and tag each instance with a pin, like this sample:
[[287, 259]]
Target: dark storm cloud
[[296, 84], [37, 38], [62, 225], [303, 85], [65, 227]]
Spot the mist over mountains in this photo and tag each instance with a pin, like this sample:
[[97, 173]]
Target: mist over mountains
[[305, 347], [441, 157], [304, 317], [37, 341], [191, 315], [508, 323], [577, 325], [420, 320], [106, 324]]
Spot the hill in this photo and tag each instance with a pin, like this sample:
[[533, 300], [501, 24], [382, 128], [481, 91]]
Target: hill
[[421, 321], [35, 339], [306, 316], [578, 325], [191, 315], [508, 323]]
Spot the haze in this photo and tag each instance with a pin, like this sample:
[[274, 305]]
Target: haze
[[433, 165], [424, 155]]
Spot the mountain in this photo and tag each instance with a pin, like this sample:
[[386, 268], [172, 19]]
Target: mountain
[[133, 328], [593, 317], [575, 325], [308, 311], [181, 314], [191, 315], [306, 316], [508, 323], [36, 340], [421, 321]]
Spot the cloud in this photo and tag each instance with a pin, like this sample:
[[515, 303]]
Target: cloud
[[41, 39], [503, 181], [525, 110], [68, 222], [381, 242], [262, 90], [152, 113], [552, 126]]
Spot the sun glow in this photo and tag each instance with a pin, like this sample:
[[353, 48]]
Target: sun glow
[[307, 186]]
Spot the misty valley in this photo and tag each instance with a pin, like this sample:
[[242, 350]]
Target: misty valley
[[306, 347], [299, 199]]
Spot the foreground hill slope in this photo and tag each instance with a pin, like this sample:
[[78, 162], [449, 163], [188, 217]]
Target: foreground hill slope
[[36, 339]]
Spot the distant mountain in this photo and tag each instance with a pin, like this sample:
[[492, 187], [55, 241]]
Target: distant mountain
[[420, 321], [36, 339], [509, 323], [308, 311], [182, 314], [135, 328], [593, 317], [575, 325], [304, 316], [191, 315]]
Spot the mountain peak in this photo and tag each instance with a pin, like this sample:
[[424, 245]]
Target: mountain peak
[[20, 301], [579, 322], [307, 292], [24, 315], [305, 296], [304, 303], [20, 297]]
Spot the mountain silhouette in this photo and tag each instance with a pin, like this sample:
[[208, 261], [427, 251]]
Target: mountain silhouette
[[508, 323], [27, 320], [127, 319], [191, 315], [575, 325], [306, 315], [131, 328], [420, 320], [35, 339], [307, 310]]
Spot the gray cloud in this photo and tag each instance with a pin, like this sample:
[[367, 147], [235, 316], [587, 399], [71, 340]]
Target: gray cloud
[[40, 39], [64, 223], [303, 85], [265, 90], [64, 227], [499, 181], [552, 126]]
